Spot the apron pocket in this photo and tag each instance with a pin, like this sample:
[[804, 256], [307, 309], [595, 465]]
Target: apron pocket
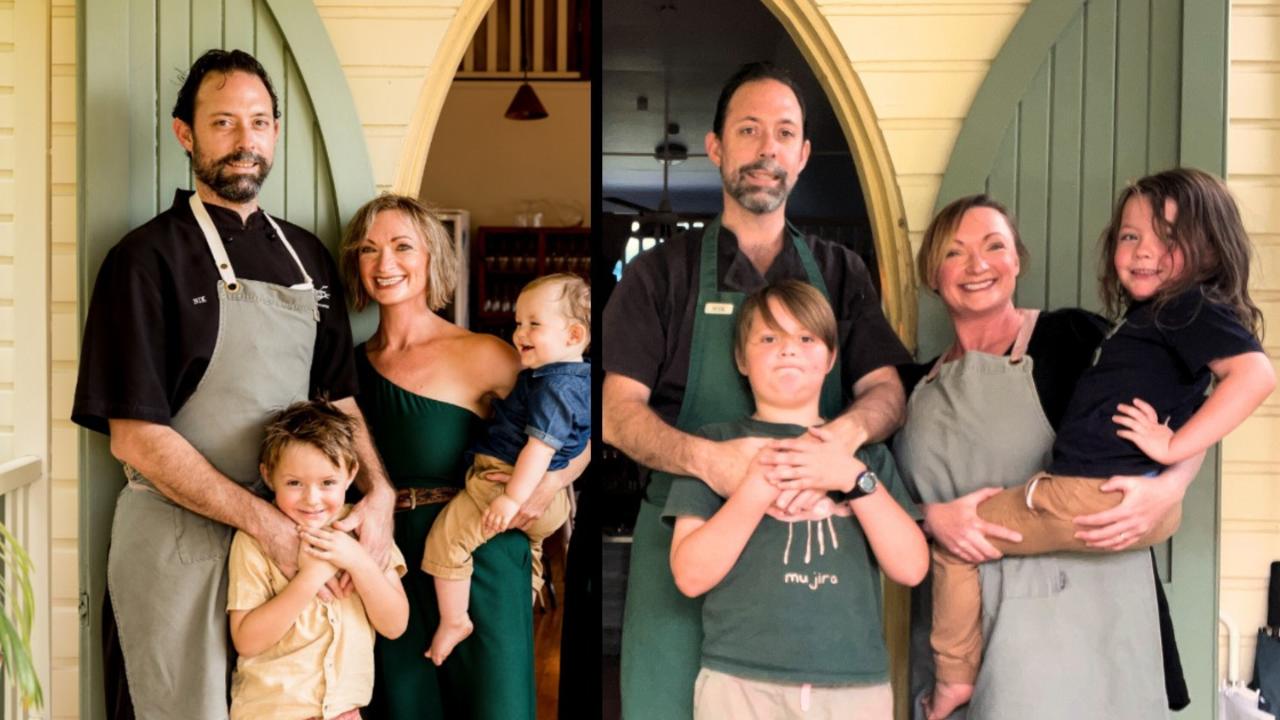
[[199, 539], [1031, 577]]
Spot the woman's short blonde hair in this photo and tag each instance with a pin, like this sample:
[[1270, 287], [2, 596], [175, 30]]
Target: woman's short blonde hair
[[442, 259], [937, 237], [574, 300]]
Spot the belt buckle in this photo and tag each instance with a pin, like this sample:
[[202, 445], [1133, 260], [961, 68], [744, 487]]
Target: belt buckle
[[413, 498]]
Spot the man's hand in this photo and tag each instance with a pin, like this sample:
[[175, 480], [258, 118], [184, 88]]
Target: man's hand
[[279, 539], [371, 521], [727, 464], [497, 517], [1144, 429], [815, 460]]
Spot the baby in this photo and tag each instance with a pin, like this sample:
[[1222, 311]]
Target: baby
[[543, 424]]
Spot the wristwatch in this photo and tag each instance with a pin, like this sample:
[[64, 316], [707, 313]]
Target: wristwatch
[[863, 485]]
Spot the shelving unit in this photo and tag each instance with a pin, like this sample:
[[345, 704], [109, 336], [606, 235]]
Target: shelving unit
[[458, 224], [507, 258]]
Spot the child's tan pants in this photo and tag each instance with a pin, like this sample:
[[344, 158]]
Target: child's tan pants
[[720, 696], [1043, 511], [458, 531]]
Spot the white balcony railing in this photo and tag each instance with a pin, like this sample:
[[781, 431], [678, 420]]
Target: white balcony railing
[[497, 49], [26, 518]]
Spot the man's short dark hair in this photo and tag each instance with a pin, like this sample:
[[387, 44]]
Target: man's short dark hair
[[225, 62], [751, 72]]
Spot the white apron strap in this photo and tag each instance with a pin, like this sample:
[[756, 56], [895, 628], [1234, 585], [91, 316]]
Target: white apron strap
[[219, 251], [306, 279], [214, 241]]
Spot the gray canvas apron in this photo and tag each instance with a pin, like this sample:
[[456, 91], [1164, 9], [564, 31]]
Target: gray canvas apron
[[662, 629], [166, 570], [1070, 637]]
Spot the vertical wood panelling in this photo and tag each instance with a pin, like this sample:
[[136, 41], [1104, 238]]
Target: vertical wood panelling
[[137, 53], [173, 53], [1107, 105], [144, 132], [206, 25], [1063, 253], [299, 151], [237, 24], [270, 50], [1003, 181], [1033, 186], [1165, 60], [1132, 40], [1099, 118]]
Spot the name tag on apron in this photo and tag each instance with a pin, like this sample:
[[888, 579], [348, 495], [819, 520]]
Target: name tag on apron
[[718, 308]]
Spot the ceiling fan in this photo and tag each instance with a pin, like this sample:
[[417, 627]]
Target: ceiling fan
[[661, 221]]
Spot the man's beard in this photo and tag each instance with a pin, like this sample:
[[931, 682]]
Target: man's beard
[[757, 199], [237, 187]]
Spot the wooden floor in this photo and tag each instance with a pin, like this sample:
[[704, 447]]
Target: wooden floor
[[546, 634]]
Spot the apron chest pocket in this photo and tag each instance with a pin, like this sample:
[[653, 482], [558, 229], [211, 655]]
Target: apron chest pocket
[[198, 538]]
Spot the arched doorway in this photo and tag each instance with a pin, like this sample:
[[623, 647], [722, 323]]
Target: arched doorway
[[706, 41], [816, 40]]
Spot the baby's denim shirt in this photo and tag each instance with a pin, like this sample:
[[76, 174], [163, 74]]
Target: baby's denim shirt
[[551, 403]]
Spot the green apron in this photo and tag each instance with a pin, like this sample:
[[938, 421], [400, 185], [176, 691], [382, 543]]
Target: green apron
[[661, 628]]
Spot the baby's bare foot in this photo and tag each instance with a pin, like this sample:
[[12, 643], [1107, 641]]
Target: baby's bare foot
[[946, 698], [447, 637]]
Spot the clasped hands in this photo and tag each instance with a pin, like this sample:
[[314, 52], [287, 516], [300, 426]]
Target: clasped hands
[[800, 470]]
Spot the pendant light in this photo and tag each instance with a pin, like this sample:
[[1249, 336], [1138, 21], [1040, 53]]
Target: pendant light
[[525, 105]]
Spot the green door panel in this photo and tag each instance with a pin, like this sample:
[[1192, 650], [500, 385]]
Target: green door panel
[[1084, 97], [135, 54]]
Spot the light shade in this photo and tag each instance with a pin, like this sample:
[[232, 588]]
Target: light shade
[[526, 105]]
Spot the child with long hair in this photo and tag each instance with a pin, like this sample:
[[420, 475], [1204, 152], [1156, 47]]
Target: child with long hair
[[1175, 274]]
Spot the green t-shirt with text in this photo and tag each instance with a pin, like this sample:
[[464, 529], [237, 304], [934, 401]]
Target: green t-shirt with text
[[802, 604]]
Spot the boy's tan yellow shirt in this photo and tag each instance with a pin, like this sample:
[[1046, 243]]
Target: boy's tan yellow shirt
[[322, 667]]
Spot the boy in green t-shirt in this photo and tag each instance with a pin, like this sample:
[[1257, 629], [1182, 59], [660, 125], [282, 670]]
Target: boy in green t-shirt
[[791, 618]]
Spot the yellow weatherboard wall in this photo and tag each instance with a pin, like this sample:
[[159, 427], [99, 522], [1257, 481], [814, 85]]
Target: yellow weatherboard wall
[[388, 54], [1251, 455]]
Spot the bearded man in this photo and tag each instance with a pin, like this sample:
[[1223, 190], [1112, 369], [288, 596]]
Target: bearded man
[[669, 364], [202, 322]]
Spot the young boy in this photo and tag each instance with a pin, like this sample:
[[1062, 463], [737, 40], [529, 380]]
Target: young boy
[[301, 656], [791, 618], [543, 424]]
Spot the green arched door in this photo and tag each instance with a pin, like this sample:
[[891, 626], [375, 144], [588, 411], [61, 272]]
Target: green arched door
[[134, 53], [1083, 97]]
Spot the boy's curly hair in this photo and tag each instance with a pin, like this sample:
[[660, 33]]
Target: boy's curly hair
[[318, 423]]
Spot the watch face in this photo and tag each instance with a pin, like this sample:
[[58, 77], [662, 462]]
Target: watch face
[[867, 481]]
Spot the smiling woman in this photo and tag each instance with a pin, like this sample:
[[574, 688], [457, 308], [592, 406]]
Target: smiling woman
[[426, 386]]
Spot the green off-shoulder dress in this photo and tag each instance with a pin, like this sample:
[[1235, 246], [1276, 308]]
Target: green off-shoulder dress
[[489, 676]]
